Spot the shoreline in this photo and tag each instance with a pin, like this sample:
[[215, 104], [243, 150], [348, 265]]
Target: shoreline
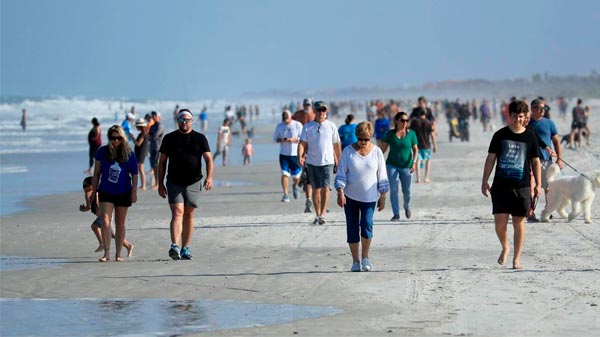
[[433, 274]]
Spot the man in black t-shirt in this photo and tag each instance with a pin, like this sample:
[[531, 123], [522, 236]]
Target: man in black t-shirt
[[514, 151], [184, 149], [422, 106]]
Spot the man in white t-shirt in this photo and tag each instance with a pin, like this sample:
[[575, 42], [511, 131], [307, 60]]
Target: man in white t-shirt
[[287, 134], [320, 149]]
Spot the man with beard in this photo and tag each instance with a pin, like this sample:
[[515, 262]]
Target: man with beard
[[184, 149]]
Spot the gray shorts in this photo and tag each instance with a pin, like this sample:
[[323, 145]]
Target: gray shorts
[[320, 176], [186, 195]]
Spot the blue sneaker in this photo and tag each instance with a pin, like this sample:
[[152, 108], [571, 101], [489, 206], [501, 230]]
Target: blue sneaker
[[286, 198], [186, 254], [355, 266], [295, 191], [174, 252]]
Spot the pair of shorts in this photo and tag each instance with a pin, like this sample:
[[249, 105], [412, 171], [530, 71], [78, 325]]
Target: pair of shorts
[[119, 200], [424, 154], [289, 166], [186, 195], [319, 176], [577, 125], [97, 222], [513, 201]]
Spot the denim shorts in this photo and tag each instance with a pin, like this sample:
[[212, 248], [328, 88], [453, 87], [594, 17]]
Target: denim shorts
[[359, 219], [320, 176], [186, 195]]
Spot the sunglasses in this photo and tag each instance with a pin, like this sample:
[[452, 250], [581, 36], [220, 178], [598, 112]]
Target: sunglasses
[[115, 138], [184, 120], [322, 109], [364, 139], [402, 120]]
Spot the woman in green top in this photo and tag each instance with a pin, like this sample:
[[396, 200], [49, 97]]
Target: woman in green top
[[401, 161]]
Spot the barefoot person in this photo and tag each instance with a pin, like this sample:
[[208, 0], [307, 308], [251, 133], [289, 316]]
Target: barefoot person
[[184, 150], [92, 205], [361, 183], [115, 185], [515, 152]]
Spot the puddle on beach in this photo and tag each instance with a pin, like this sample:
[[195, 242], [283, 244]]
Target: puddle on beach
[[8, 263], [143, 317]]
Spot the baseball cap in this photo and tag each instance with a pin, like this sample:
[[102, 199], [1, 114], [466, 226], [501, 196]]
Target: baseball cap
[[307, 101], [129, 115], [320, 105], [286, 113], [155, 113]]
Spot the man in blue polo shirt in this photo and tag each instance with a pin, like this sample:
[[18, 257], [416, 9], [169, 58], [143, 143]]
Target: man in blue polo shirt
[[546, 130]]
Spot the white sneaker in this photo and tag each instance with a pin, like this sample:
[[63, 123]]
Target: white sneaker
[[286, 198], [366, 264], [355, 266]]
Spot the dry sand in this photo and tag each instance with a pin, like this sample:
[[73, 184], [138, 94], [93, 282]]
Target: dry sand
[[435, 274]]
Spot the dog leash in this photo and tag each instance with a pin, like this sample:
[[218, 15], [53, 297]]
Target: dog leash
[[574, 169]]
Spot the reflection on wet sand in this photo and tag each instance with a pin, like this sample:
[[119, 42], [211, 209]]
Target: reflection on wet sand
[[142, 317]]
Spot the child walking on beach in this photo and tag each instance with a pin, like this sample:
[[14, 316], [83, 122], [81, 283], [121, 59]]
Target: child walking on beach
[[248, 151], [97, 224]]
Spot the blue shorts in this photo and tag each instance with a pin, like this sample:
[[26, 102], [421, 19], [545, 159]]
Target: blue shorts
[[289, 166], [424, 154], [320, 176]]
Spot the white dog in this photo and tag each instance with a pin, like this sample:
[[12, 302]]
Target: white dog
[[575, 190]]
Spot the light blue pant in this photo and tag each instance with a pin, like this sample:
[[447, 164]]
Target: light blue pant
[[403, 175]]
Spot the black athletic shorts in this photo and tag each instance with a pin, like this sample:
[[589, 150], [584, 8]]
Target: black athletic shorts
[[120, 200], [515, 202]]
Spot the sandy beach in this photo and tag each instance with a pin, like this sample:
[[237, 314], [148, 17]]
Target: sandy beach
[[435, 274]]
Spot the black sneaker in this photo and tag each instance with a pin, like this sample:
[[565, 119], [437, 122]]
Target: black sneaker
[[407, 213], [174, 252], [532, 219]]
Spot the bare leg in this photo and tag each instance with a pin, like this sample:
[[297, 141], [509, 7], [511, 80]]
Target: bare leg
[[427, 166], [354, 251], [366, 244], [519, 238], [501, 222], [188, 225], [129, 246], [98, 233], [324, 200], [106, 210], [316, 192], [284, 183], [418, 172], [120, 216], [142, 176], [176, 222]]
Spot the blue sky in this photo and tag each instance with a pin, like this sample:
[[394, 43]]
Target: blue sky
[[184, 49]]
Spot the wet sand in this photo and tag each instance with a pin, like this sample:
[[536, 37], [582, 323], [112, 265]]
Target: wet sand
[[435, 274]]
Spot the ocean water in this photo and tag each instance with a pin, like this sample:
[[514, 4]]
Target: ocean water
[[49, 157]]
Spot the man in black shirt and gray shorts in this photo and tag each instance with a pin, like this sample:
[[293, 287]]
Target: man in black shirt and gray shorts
[[184, 149]]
